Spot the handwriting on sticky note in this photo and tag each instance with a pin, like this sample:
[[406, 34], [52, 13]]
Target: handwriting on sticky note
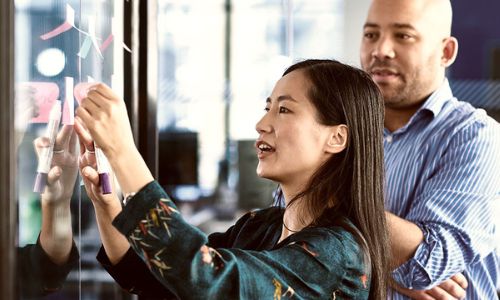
[[45, 94]]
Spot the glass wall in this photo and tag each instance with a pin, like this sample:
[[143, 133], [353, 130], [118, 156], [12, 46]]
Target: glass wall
[[59, 47], [218, 61]]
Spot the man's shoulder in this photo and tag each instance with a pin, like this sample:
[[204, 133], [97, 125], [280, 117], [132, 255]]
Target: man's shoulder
[[458, 116]]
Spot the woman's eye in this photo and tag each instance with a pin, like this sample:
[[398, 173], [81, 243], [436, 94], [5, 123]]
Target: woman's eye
[[284, 110], [267, 109]]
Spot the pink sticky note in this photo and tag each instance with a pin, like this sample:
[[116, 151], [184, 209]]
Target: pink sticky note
[[60, 29], [67, 25], [106, 43], [68, 116], [81, 90], [45, 94]]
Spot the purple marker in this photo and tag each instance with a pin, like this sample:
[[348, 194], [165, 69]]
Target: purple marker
[[103, 170], [45, 158]]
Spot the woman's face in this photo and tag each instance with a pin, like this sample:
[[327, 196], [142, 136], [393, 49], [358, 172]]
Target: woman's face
[[291, 143]]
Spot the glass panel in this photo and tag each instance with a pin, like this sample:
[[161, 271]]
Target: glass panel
[[267, 36], [190, 98], [216, 68], [59, 46]]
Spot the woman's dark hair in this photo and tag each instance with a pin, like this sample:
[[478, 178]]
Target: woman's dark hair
[[350, 184]]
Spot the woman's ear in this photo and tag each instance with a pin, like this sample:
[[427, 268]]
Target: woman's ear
[[337, 140]]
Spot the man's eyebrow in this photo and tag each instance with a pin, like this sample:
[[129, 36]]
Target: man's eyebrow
[[368, 24], [395, 25], [403, 26]]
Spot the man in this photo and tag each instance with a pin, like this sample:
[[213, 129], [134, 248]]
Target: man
[[442, 166]]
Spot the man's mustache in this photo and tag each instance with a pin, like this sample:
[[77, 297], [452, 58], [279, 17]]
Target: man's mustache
[[382, 64]]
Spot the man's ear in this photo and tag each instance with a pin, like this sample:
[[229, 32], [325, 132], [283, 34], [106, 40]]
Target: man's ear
[[337, 140], [450, 50]]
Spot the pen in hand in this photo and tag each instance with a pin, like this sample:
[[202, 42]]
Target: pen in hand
[[103, 169], [45, 158]]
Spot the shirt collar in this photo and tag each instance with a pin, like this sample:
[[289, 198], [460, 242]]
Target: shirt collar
[[436, 100], [434, 104]]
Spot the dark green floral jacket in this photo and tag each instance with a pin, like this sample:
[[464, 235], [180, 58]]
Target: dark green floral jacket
[[246, 262]]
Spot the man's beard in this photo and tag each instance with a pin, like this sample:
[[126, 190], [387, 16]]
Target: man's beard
[[394, 92]]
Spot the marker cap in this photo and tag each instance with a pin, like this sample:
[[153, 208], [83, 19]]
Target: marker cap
[[40, 182], [105, 183]]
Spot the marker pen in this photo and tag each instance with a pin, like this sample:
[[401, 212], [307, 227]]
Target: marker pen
[[103, 169], [45, 158]]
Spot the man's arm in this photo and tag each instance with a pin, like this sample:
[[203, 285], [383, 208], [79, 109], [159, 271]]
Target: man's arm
[[453, 210], [405, 237]]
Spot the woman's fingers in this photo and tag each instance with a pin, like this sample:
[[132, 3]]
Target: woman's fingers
[[91, 104], [40, 143], [54, 175], [91, 175], [73, 142], [63, 138], [100, 91], [86, 141]]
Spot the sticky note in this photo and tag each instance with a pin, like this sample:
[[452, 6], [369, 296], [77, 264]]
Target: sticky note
[[45, 94], [68, 23], [68, 116]]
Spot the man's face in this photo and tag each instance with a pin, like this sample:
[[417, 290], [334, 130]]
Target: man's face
[[402, 51]]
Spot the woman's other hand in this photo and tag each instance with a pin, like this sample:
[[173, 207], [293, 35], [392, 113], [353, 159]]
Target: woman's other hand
[[88, 169], [64, 168]]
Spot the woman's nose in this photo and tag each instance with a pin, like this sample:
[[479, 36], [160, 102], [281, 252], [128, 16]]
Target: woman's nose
[[264, 124]]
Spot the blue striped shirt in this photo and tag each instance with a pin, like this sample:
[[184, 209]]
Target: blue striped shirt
[[443, 174]]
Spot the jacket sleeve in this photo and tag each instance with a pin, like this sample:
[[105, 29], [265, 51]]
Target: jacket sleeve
[[314, 264], [132, 274], [37, 274]]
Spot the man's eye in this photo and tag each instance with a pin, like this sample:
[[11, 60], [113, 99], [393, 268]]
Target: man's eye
[[369, 35], [403, 36]]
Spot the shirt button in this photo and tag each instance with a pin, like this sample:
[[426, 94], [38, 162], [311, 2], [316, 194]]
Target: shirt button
[[388, 138]]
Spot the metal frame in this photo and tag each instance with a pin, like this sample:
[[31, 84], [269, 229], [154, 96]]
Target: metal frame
[[8, 225], [141, 77]]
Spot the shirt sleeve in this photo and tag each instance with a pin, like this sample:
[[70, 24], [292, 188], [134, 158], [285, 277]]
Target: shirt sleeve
[[37, 274], [314, 264], [455, 209]]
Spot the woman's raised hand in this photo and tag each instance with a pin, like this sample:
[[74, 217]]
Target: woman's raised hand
[[105, 117]]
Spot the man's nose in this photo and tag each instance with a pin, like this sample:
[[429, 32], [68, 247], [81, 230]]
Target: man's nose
[[384, 49]]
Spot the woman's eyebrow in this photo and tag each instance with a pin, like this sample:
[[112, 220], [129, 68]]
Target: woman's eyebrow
[[281, 98]]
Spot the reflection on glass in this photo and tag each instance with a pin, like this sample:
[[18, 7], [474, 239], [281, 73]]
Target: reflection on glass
[[50, 62], [60, 45]]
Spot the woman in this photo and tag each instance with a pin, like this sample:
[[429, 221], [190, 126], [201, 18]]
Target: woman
[[320, 139]]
